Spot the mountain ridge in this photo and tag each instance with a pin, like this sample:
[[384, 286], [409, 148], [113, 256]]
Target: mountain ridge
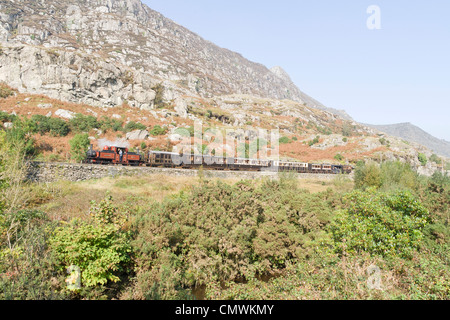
[[413, 133]]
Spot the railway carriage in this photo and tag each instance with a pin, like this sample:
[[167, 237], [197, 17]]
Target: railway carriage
[[118, 155]]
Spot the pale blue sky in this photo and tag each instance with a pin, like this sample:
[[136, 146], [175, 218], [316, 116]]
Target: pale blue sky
[[400, 73]]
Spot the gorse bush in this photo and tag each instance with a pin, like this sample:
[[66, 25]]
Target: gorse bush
[[158, 130], [131, 126], [284, 140], [82, 123], [379, 223], [54, 126], [224, 232]]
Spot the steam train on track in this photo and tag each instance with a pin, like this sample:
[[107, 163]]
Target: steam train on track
[[111, 155]]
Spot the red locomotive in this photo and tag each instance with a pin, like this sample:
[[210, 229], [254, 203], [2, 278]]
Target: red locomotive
[[113, 155]]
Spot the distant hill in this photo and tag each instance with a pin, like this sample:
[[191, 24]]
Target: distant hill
[[412, 133]]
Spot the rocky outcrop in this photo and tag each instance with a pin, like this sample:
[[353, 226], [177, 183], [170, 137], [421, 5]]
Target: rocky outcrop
[[137, 135], [105, 52]]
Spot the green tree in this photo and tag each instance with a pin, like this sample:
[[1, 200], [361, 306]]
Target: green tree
[[159, 97], [368, 175], [78, 146]]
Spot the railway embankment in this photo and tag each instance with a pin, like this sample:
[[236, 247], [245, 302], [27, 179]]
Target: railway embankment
[[52, 171]]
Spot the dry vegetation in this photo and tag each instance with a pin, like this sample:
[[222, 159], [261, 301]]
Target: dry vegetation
[[56, 148]]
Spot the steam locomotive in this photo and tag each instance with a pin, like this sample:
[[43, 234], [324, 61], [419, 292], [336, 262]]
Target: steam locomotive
[[111, 155]]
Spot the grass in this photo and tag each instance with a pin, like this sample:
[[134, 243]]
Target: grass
[[64, 200]]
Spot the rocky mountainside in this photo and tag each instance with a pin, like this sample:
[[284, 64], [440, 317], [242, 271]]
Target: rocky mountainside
[[412, 133], [118, 59], [103, 52]]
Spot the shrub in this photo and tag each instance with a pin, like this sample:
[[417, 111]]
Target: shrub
[[338, 157], [158, 131], [78, 146], [132, 126], [379, 223], [27, 269], [368, 175], [396, 175], [314, 141], [99, 247], [82, 123], [226, 232], [5, 91], [391, 175], [284, 140], [434, 158], [422, 159], [111, 124], [54, 126], [159, 97], [6, 117], [20, 136]]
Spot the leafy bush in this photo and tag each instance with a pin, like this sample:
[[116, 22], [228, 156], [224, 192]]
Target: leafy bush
[[314, 141], [111, 124], [284, 140], [54, 126], [379, 223], [20, 136], [435, 158], [367, 175], [158, 131], [396, 175], [82, 123], [79, 146], [338, 157], [391, 175], [132, 126], [100, 248], [422, 159]]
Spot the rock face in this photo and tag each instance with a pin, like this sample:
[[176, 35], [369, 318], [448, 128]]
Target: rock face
[[137, 135], [105, 52]]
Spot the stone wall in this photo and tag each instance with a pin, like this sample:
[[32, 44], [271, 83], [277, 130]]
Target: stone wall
[[51, 172]]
